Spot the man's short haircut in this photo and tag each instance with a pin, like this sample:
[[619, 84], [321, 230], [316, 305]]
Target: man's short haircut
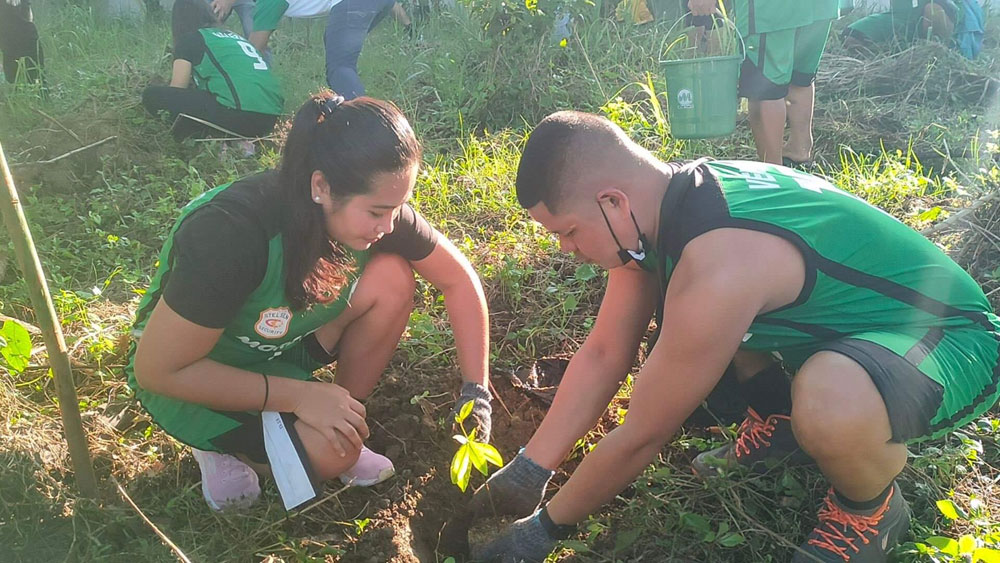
[[563, 147]]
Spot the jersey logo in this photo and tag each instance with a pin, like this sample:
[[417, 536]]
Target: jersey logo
[[273, 323]]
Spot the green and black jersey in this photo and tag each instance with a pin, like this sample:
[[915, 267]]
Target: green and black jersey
[[230, 68], [868, 276], [764, 16], [223, 267]]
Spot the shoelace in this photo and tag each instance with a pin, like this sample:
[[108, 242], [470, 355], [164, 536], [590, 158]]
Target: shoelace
[[835, 524], [754, 431]]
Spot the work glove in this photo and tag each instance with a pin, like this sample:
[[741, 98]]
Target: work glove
[[482, 412], [516, 489], [525, 541]]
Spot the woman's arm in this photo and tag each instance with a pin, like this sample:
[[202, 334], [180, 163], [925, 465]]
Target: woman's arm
[[171, 361], [447, 269], [181, 77]]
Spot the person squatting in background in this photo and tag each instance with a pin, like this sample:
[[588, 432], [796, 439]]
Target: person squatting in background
[[22, 50], [234, 87]]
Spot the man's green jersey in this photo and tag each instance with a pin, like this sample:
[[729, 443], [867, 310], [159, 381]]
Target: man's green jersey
[[764, 16], [231, 69], [868, 276]]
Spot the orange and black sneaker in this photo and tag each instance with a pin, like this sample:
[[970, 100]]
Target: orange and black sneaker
[[844, 535], [757, 441]]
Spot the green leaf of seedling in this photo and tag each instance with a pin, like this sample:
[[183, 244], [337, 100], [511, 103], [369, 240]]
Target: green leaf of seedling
[[947, 546], [966, 545], [464, 412], [460, 439], [449, 560], [986, 555], [460, 468], [948, 509], [569, 305], [696, 522], [492, 455], [624, 540], [475, 454]]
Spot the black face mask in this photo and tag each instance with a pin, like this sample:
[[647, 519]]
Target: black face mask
[[645, 257]]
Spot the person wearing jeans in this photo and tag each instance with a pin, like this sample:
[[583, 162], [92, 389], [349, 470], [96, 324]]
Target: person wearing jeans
[[350, 22]]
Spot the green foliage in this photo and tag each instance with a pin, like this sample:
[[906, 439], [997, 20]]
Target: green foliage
[[981, 545], [471, 453], [15, 346]]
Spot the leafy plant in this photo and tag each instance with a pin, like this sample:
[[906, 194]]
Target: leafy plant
[[15, 346], [983, 544], [472, 453]]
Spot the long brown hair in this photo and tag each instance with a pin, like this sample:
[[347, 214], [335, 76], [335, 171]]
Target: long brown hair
[[349, 142]]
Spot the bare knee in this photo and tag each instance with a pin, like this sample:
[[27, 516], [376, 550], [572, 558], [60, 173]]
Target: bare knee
[[326, 462], [836, 409], [392, 278]]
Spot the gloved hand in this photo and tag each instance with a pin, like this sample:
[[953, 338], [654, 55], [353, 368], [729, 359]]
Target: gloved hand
[[482, 412], [524, 541], [516, 489]]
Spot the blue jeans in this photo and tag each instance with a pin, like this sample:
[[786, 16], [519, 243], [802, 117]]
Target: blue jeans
[[349, 24], [244, 11]]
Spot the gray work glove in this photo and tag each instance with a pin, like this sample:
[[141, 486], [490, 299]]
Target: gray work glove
[[482, 413], [516, 489], [524, 541]]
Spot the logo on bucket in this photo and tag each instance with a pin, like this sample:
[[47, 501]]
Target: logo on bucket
[[685, 99], [273, 323]]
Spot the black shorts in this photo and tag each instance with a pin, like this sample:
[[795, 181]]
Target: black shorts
[[911, 398]]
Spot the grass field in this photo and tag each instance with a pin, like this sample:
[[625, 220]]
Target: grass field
[[916, 132]]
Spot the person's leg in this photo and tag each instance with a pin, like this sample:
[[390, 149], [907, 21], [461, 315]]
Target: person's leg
[[202, 105], [346, 30], [244, 10], [367, 333], [937, 21], [764, 81], [840, 419], [19, 41], [810, 41]]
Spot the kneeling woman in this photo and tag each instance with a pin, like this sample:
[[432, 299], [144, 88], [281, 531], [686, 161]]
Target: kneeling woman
[[266, 279], [233, 86]]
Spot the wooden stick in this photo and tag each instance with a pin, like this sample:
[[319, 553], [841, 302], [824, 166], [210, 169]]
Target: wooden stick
[[69, 154], [177, 551], [45, 315], [953, 221]]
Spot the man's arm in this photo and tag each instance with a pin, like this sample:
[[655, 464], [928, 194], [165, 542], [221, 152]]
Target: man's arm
[[719, 286], [596, 371]]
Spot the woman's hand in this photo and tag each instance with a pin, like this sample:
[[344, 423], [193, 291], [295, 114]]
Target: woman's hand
[[331, 410]]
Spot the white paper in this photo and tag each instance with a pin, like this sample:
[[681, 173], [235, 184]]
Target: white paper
[[288, 469]]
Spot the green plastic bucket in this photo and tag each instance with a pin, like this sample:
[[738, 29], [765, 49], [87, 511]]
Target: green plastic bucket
[[702, 96]]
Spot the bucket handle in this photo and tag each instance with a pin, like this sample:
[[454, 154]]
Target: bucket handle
[[729, 23]]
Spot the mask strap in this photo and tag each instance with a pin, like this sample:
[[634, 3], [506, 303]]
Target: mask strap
[[623, 253]]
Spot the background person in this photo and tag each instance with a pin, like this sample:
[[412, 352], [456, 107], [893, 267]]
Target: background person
[[264, 280], [22, 50], [890, 341], [348, 25], [784, 44], [957, 22], [233, 86]]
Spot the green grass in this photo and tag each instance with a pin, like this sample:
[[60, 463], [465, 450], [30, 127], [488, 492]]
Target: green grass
[[100, 218]]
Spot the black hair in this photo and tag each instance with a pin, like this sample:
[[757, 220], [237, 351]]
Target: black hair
[[349, 142], [556, 151], [190, 15]]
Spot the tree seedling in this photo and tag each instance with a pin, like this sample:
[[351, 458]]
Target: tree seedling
[[472, 453]]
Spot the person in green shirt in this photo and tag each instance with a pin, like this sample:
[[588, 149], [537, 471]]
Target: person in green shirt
[[765, 269], [784, 42], [234, 88], [906, 21], [266, 279]]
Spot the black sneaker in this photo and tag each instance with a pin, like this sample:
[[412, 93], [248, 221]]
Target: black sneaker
[[757, 441], [844, 535]]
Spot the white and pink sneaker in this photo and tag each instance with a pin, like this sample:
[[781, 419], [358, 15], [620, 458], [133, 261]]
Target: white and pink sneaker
[[226, 482], [371, 469]]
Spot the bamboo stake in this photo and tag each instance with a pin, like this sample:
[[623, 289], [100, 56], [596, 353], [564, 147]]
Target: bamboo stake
[[31, 267]]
